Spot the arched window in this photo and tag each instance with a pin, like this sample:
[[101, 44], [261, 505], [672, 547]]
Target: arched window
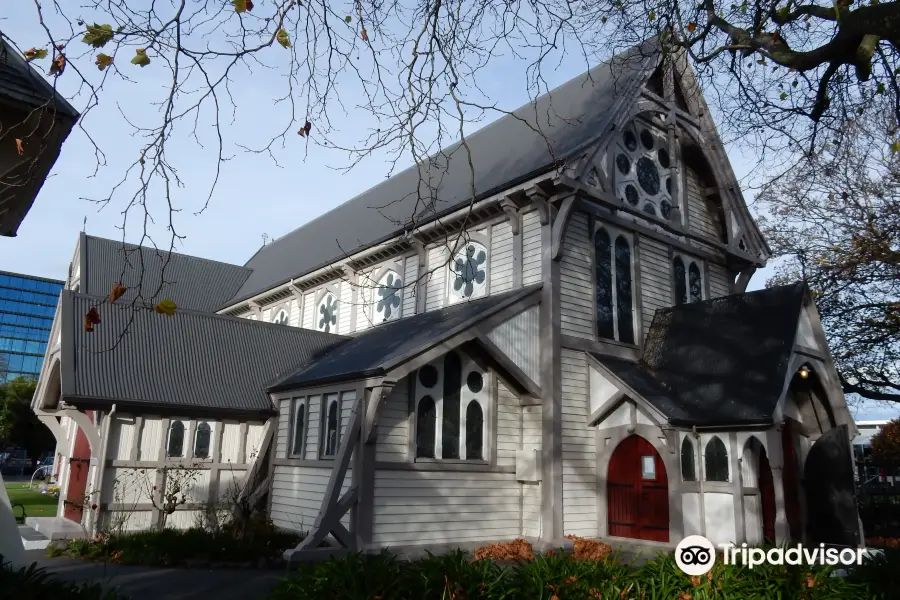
[[604, 289], [426, 420], [688, 472], [281, 318], [474, 431], [299, 425], [452, 384], [331, 426], [202, 438], [468, 272], [387, 297], [175, 446], [614, 297], [326, 313], [680, 281], [695, 282], [716, 458], [624, 304]]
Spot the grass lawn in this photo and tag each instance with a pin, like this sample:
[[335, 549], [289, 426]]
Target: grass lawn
[[36, 504]]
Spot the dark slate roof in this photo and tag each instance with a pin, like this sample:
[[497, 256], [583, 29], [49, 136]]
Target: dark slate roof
[[719, 362], [190, 282], [508, 151], [367, 353], [189, 361], [21, 83]]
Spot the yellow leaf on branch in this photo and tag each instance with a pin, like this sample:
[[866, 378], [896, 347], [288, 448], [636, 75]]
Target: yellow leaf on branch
[[283, 38], [35, 54], [165, 307], [103, 60], [140, 58]]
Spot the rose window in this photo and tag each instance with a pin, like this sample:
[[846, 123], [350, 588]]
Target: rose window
[[468, 272], [643, 176], [388, 296], [327, 317]]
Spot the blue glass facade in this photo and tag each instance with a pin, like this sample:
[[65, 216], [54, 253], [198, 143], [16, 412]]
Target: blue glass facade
[[27, 305]]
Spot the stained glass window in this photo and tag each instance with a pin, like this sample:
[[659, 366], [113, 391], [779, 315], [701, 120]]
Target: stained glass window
[[688, 472], [326, 315], [474, 431], [604, 286], [452, 382], [468, 272], [624, 301], [426, 419], [202, 438], [716, 458], [680, 281], [175, 447], [643, 168]]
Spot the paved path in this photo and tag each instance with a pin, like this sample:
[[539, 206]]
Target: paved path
[[153, 583]]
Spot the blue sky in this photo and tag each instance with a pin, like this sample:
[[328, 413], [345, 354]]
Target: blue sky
[[254, 197]]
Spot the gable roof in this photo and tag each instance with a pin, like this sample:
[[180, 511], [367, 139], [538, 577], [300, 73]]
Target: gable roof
[[21, 83], [372, 351], [532, 140], [191, 361], [191, 283], [718, 362]]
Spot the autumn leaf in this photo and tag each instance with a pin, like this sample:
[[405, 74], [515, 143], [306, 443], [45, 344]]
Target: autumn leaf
[[348, 19], [364, 35], [20, 148], [35, 54], [691, 27], [305, 130], [165, 307], [784, 95], [91, 318], [895, 147], [118, 290], [58, 65], [242, 5], [98, 35], [140, 58], [879, 89], [283, 39], [652, 15], [103, 61], [87, 324]]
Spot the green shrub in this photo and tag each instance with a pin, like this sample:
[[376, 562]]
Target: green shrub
[[33, 583]]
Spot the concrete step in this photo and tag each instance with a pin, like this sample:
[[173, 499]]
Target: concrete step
[[32, 539], [56, 528]]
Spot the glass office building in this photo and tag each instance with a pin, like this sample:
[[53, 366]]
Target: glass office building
[[27, 306]]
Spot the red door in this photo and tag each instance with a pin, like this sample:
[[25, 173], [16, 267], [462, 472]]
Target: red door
[[637, 492], [791, 481], [79, 465], [767, 494]]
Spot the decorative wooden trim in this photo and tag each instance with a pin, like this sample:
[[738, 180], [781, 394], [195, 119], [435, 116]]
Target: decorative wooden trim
[[325, 463], [560, 225], [363, 475], [604, 347], [422, 274], [442, 466], [512, 214], [497, 355], [743, 280], [370, 424]]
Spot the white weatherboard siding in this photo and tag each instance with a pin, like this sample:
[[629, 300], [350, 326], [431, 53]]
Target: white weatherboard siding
[[703, 220], [579, 449], [519, 338], [435, 278], [531, 492], [295, 318], [313, 408], [719, 509], [501, 270], [309, 308], [345, 307], [509, 427], [411, 273], [531, 248], [392, 430], [656, 279], [718, 281], [420, 507], [152, 436], [297, 494], [576, 304]]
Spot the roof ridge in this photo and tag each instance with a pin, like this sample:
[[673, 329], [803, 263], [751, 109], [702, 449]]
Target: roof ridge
[[158, 250]]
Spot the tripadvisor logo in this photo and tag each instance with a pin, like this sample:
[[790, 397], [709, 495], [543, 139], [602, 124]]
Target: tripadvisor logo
[[695, 555]]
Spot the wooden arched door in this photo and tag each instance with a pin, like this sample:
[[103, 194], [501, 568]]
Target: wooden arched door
[[637, 492], [767, 496]]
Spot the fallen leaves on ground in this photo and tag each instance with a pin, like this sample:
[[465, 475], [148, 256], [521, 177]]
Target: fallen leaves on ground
[[517, 549]]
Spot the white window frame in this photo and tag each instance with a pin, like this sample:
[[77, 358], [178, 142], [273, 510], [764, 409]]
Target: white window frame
[[614, 233], [187, 438], [729, 475], [323, 426], [195, 428], [321, 295], [302, 402], [485, 399], [687, 259], [450, 295]]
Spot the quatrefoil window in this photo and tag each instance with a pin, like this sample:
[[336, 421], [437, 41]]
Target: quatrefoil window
[[326, 319], [388, 296], [468, 272]]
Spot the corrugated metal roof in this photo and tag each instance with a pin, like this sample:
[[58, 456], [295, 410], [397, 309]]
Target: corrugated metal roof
[[719, 362], [20, 82], [191, 360], [365, 354], [510, 150], [190, 282]]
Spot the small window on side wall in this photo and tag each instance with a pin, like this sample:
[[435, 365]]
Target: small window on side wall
[[330, 424], [716, 460], [202, 439], [687, 274], [688, 470], [175, 444], [299, 428]]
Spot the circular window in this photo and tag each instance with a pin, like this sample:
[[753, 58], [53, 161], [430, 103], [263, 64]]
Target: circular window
[[665, 209], [649, 208], [648, 176], [623, 164], [663, 157], [428, 376], [647, 139], [630, 141], [631, 194], [475, 382]]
